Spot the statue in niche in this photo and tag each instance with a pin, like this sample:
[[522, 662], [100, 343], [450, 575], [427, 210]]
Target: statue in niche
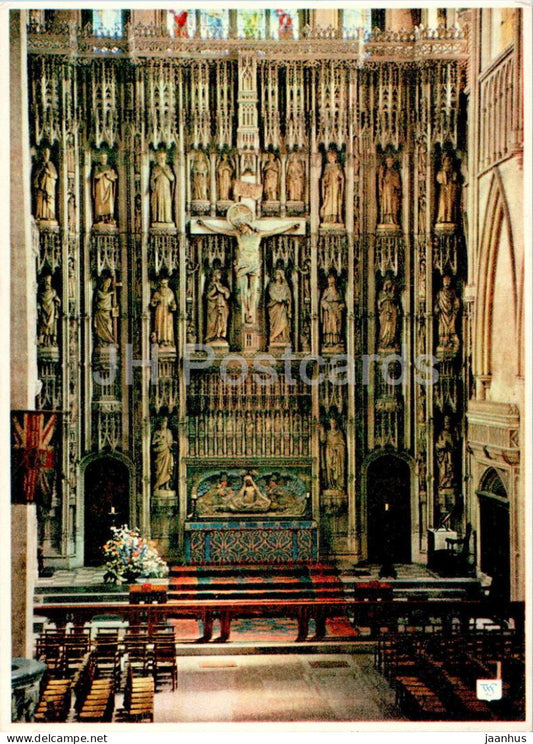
[[295, 178], [334, 456], [162, 187], [448, 181], [217, 296], [447, 308], [422, 280], [279, 306], [271, 177], [44, 184], [390, 193], [249, 498], [104, 191], [248, 261], [224, 177], [445, 450], [48, 304], [162, 445], [199, 177], [332, 191], [105, 313], [164, 302], [388, 317], [331, 311]]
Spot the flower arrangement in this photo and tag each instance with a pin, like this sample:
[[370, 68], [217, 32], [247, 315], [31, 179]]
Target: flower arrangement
[[128, 555]]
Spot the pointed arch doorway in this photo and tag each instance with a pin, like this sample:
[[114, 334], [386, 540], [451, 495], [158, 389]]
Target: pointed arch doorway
[[495, 557], [106, 487], [389, 510]]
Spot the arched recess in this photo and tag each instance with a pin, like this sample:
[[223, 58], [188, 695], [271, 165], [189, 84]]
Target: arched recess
[[107, 487], [389, 503], [494, 533], [497, 219]]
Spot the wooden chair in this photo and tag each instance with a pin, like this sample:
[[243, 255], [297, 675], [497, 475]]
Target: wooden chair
[[165, 665], [99, 704], [139, 697]]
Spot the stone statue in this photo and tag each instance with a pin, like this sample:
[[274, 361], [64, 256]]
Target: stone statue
[[105, 313], [335, 456], [270, 178], [224, 177], [199, 177], [44, 184], [217, 296], [164, 302], [447, 308], [48, 304], [331, 311], [162, 444], [249, 498], [248, 261], [445, 451], [279, 306], [332, 191], [162, 186], [388, 317], [390, 193], [295, 178], [448, 192], [104, 191]]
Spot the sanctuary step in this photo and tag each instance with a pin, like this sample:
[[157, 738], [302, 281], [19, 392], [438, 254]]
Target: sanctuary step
[[262, 581]]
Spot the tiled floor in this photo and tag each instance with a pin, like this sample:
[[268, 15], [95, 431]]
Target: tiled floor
[[292, 687]]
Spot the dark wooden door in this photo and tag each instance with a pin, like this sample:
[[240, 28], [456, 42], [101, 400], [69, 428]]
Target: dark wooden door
[[389, 510], [106, 488]]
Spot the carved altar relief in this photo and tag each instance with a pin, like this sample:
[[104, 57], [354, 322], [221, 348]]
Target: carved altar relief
[[250, 493]]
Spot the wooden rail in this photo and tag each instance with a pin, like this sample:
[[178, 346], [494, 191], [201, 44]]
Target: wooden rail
[[373, 614]]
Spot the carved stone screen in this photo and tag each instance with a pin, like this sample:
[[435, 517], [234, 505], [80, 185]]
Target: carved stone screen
[[250, 270]]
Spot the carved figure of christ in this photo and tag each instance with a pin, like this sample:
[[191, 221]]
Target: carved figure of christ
[[248, 260]]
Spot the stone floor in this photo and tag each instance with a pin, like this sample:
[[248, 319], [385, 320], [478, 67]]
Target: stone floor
[[292, 687]]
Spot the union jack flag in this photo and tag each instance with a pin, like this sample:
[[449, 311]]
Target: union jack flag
[[33, 450]]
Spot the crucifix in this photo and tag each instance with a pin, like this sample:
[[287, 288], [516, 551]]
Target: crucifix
[[248, 233]]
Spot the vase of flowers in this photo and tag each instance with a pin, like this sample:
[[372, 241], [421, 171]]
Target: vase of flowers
[[128, 556]]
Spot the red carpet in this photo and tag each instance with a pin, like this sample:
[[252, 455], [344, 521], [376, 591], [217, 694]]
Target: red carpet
[[265, 630]]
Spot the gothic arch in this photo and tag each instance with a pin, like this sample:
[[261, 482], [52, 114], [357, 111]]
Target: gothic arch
[[408, 464], [497, 219]]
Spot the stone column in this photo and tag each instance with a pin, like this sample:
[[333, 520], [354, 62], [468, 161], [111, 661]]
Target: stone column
[[23, 576]]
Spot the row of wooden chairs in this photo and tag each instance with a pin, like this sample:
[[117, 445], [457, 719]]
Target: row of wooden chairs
[[139, 697], [54, 702], [99, 704]]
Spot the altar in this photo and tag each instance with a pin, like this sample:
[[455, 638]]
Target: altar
[[251, 541]]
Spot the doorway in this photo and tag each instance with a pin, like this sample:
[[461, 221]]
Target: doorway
[[389, 510], [107, 488], [494, 535]]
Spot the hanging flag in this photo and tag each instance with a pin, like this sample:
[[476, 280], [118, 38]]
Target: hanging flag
[[180, 22], [34, 448]]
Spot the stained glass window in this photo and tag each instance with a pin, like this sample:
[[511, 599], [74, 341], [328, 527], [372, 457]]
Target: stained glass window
[[251, 24], [107, 23], [181, 23], [214, 24], [284, 24], [353, 20]]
